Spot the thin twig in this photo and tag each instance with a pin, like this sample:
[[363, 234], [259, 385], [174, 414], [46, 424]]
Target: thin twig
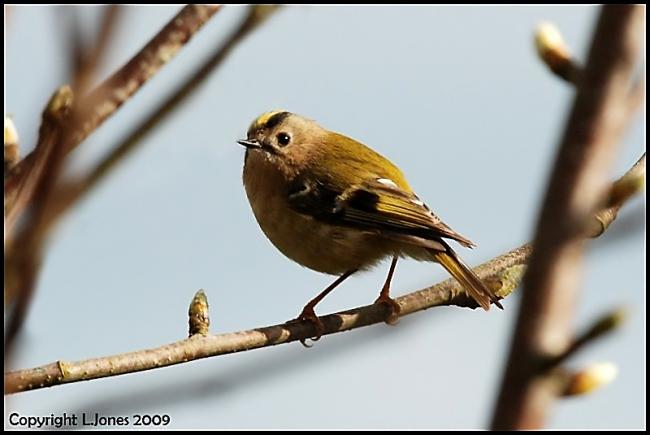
[[24, 253], [104, 100], [47, 138], [630, 184], [502, 274], [63, 127], [73, 191], [554, 52], [577, 189], [602, 326], [87, 60]]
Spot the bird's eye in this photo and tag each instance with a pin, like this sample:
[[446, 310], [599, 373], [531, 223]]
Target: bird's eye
[[283, 139]]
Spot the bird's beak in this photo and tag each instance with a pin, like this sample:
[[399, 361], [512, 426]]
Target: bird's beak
[[250, 143]]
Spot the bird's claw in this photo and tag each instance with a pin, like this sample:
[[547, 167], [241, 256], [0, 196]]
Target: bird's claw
[[392, 309], [308, 315]]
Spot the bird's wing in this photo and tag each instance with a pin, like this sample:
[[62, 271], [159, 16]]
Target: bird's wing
[[375, 204]]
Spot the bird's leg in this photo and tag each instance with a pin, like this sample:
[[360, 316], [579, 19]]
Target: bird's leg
[[308, 313], [385, 299]]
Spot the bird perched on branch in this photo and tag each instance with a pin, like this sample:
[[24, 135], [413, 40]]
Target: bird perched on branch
[[336, 206]]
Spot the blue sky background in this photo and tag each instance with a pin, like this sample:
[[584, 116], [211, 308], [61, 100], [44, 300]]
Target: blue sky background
[[453, 95]]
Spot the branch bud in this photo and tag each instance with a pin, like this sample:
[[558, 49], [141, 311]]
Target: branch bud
[[590, 379], [199, 314], [554, 52]]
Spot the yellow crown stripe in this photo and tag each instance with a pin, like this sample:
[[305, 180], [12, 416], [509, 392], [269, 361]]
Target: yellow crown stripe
[[264, 118]]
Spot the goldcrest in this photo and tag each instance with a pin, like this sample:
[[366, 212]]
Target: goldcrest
[[330, 203]]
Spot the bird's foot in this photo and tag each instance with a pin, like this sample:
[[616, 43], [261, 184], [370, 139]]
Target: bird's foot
[[308, 315], [392, 308]]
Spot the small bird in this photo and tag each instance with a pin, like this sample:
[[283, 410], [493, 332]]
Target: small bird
[[334, 205]]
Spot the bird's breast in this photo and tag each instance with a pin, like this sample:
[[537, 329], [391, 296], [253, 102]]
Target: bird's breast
[[314, 244]]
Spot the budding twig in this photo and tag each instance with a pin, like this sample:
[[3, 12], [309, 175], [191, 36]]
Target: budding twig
[[71, 193], [554, 52], [24, 253], [104, 100], [12, 150], [588, 380], [577, 187], [64, 126], [602, 326]]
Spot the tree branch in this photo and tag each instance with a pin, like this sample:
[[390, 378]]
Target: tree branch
[[69, 194], [200, 346], [24, 253], [502, 274], [110, 95], [576, 190], [86, 60], [104, 100], [64, 126]]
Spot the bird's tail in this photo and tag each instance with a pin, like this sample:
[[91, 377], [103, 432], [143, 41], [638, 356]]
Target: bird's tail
[[466, 277]]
